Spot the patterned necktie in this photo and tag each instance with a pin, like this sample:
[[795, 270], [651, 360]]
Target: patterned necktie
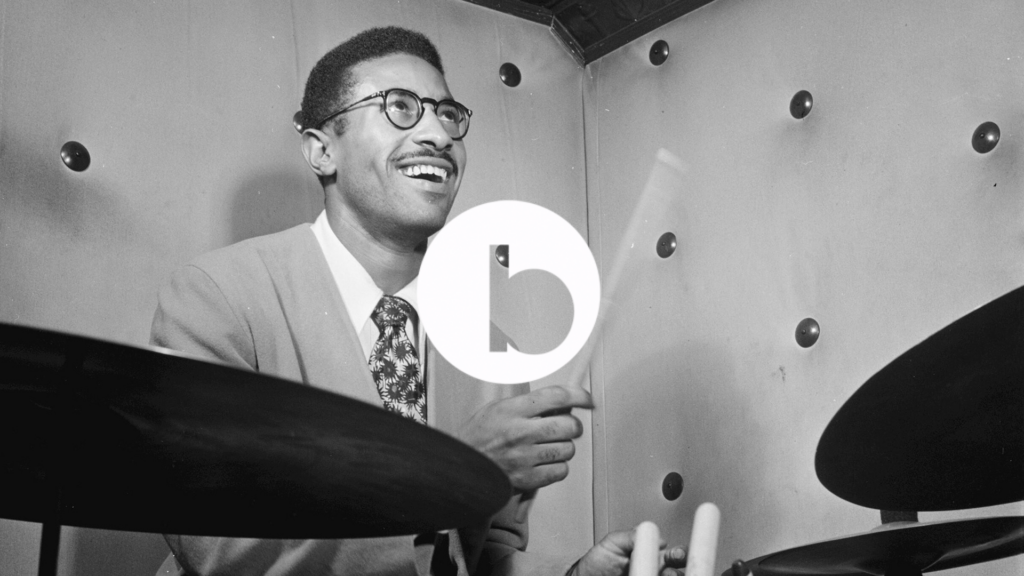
[[394, 363]]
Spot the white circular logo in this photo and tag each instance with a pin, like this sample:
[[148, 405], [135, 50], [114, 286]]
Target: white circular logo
[[454, 286]]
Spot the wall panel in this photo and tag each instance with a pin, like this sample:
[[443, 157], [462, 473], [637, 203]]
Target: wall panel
[[873, 215], [186, 110]]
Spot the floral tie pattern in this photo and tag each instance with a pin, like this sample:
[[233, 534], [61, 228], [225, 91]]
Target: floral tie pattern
[[394, 363]]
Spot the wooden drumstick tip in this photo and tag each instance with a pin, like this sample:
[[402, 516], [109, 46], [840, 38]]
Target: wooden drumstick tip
[[700, 559], [645, 560]]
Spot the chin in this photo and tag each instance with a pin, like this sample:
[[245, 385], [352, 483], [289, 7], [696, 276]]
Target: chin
[[426, 226]]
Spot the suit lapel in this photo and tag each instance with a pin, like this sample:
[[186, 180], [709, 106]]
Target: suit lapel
[[328, 349], [330, 356]]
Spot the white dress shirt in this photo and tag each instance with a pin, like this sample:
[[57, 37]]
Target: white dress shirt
[[360, 296], [358, 291]]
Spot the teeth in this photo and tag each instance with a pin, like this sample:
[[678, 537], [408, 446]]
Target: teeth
[[419, 169]]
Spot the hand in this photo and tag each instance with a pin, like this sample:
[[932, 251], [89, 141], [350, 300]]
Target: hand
[[530, 436], [610, 557]]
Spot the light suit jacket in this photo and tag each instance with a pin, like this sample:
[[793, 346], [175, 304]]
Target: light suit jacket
[[270, 304]]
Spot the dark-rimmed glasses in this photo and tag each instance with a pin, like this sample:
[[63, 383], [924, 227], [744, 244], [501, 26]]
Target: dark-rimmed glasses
[[404, 109]]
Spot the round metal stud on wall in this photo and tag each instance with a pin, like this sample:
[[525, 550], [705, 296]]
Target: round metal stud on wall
[[75, 156], [807, 332], [510, 75], [297, 121], [666, 244], [985, 137], [659, 52], [801, 104], [501, 255], [672, 486]]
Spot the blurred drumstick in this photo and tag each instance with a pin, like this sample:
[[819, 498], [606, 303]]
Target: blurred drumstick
[[700, 558], [664, 182], [645, 560]]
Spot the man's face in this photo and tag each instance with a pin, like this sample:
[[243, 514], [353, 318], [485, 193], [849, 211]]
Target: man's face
[[388, 178]]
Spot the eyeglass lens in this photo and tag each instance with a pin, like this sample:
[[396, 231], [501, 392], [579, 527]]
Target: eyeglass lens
[[405, 110]]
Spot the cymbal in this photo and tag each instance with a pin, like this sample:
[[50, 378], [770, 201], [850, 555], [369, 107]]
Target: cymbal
[[940, 427], [103, 435], [909, 548]]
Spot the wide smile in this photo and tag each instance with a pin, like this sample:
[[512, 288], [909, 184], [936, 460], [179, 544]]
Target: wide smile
[[428, 172]]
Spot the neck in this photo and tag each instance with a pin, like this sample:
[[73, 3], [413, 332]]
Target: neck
[[391, 264]]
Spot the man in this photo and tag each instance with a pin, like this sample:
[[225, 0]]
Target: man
[[329, 304]]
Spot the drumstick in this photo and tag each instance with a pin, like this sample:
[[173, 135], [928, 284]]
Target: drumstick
[[663, 184], [700, 558], [645, 560]]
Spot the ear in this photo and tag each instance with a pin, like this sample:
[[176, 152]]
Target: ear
[[318, 152]]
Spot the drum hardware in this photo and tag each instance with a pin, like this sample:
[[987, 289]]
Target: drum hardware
[[900, 549], [104, 435], [939, 428]]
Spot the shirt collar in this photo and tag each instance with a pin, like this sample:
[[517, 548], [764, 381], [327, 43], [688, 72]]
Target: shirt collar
[[358, 291]]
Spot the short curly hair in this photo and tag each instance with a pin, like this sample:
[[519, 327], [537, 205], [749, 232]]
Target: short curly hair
[[330, 82]]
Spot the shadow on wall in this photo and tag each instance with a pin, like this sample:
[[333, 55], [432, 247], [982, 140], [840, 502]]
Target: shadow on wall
[[74, 254], [274, 201], [75, 204]]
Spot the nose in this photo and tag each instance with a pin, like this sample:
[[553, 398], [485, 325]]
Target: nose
[[430, 132]]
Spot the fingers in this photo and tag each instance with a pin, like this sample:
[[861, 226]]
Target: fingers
[[556, 428], [555, 452], [529, 436], [546, 464], [612, 556], [655, 557], [551, 398], [526, 479], [542, 430], [620, 543], [536, 418], [675, 557], [540, 454]]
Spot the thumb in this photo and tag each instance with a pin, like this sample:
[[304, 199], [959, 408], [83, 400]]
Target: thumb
[[619, 543]]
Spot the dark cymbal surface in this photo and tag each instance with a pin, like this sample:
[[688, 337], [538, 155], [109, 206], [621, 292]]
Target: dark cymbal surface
[[906, 549], [942, 426], [103, 435]]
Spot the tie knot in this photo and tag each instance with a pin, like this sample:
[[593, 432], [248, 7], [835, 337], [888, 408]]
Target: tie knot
[[392, 311]]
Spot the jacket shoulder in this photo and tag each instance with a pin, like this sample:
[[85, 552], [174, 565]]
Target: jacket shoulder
[[247, 256]]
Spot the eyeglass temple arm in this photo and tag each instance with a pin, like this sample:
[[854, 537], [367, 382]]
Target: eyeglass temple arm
[[329, 117]]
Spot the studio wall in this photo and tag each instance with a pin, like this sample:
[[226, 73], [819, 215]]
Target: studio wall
[[873, 215], [185, 109]]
